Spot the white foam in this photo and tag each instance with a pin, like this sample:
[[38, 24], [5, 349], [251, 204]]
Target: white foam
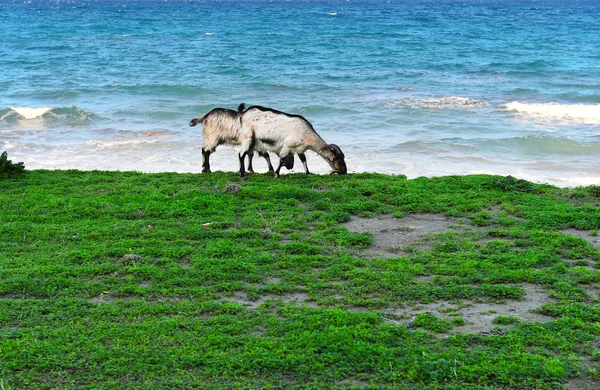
[[30, 113], [437, 103], [14, 145], [587, 113], [209, 33], [120, 144]]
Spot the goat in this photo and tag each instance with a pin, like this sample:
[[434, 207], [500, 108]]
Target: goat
[[284, 134], [222, 126]]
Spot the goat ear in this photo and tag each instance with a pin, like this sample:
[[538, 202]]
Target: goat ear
[[335, 150]]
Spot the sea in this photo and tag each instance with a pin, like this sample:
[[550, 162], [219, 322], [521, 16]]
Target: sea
[[404, 87]]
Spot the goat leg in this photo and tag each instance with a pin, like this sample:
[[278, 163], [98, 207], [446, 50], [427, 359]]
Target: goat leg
[[303, 159], [242, 156], [205, 161], [250, 157], [281, 162]]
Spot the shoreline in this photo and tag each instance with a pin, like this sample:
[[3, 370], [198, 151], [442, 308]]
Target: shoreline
[[298, 172]]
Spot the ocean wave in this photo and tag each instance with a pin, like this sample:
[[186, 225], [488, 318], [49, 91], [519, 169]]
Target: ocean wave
[[63, 114], [129, 144], [320, 109], [159, 89], [531, 145], [587, 113], [422, 147], [541, 146], [447, 102]]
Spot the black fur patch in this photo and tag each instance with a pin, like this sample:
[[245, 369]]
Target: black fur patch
[[288, 161], [225, 111], [268, 141]]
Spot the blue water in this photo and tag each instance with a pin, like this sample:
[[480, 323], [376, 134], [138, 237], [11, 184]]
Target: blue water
[[421, 88]]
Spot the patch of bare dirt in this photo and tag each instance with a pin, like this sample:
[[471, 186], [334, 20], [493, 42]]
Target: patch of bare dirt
[[582, 265], [297, 298], [582, 384], [478, 316], [593, 240], [391, 235], [23, 297], [103, 298], [11, 296]]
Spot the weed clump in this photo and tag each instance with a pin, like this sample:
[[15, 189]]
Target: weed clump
[[506, 320], [510, 183], [592, 191], [7, 166], [232, 189], [130, 258]]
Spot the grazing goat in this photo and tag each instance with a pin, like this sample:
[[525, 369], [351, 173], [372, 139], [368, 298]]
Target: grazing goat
[[222, 126], [284, 134]]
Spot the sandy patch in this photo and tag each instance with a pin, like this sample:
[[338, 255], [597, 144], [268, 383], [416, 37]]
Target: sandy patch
[[297, 298], [479, 316], [103, 298], [582, 384], [391, 235], [593, 240]]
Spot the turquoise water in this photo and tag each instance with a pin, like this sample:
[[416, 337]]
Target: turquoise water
[[421, 88]]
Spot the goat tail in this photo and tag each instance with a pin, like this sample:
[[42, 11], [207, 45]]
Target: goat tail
[[198, 121], [241, 109]]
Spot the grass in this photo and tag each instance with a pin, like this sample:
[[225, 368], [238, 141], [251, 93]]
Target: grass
[[131, 280]]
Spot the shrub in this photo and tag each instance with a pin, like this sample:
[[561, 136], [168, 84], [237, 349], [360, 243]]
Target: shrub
[[7, 166]]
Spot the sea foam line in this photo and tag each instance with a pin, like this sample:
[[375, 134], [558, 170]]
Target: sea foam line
[[120, 144], [587, 113], [452, 102]]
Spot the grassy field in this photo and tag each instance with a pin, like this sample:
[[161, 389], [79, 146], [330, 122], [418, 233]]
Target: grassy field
[[150, 281]]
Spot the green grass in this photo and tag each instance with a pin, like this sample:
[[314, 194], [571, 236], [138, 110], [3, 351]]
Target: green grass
[[130, 280]]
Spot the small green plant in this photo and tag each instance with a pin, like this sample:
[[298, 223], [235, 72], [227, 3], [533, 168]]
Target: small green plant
[[510, 183], [458, 321], [430, 322], [7, 166], [491, 311], [506, 320]]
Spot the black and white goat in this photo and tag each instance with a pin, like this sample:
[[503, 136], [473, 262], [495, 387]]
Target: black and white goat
[[269, 130], [223, 126]]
